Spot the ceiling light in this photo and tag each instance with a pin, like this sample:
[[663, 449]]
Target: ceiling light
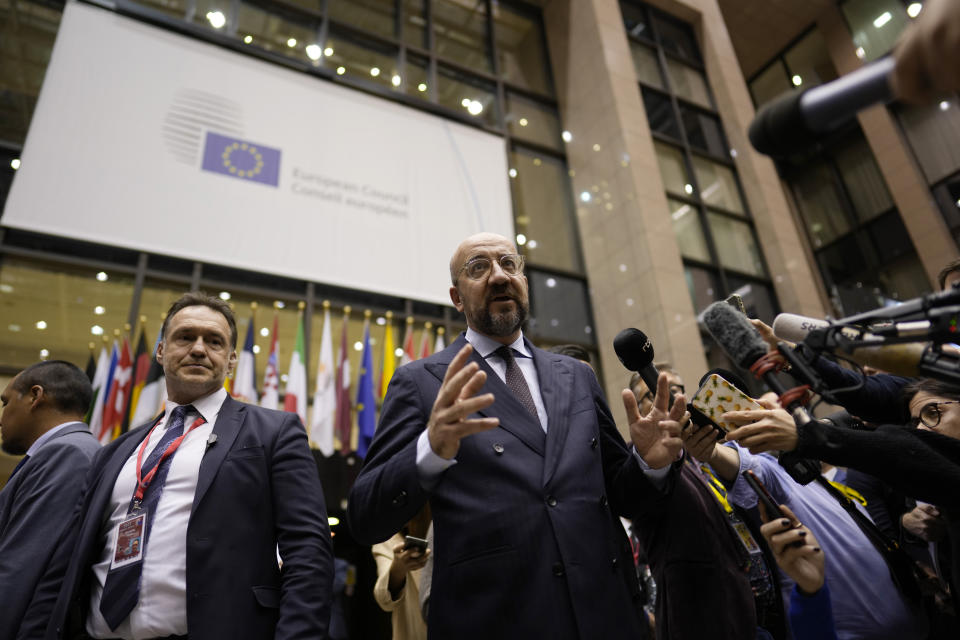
[[313, 51], [358, 346], [247, 39], [395, 81], [521, 239], [96, 330], [512, 173], [913, 10], [328, 51], [99, 310], [292, 42], [374, 71], [44, 353], [15, 164], [524, 122], [224, 295], [264, 332], [796, 80], [102, 276], [421, 87], [341, 71], [41, 324], [216, 19], [567, 136], [882, 19], [475, 108]]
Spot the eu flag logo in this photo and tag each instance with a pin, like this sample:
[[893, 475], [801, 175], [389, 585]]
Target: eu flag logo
[[241, 159]]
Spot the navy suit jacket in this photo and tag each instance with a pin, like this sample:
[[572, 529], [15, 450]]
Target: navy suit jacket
[[258, 488], [35, 508], [524, 539]]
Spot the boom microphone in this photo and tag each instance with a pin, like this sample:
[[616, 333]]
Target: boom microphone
[[794, 121], [744, 345], [635, 352]]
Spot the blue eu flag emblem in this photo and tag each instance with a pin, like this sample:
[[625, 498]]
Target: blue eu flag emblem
[[241, 159]]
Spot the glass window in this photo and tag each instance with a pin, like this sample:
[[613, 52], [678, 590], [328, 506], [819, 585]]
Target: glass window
[[934, 135], [673, 170], [703, 131], [863, 180], [172, 8], [533, 121], [273, 32], [890, 237], [460, 33], [54, 312], [735, 244], [809, 62], [677, 38], [543, 210], [27, 32], [635, 20], [468, 95], [688, 83], [660, 114], [645, 62], [414, 23], [875, 24], [770, 83], [702, 287], [417, 78], [375, 16], [521, 49], [689, 232], [559, 308], [820, 205], [904, 278], [718, 184], [364, 60]]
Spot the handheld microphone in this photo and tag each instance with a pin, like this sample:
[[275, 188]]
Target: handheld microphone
[[744, 345], [899, 359], [794, 121], [635, 352]]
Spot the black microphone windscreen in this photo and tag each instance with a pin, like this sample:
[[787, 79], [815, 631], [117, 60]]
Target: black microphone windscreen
[[780, 129], [634, 349], [734, 333]]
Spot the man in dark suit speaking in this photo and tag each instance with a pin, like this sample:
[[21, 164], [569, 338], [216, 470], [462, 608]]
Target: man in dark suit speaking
[[182, 519], [43, 409], [520, 458]]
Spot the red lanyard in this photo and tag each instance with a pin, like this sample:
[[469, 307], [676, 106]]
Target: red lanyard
[[144, 481]]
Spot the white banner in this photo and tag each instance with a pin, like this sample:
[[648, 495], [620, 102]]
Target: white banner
[[147, 139]]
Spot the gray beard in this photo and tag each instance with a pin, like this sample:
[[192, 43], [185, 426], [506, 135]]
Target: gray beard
[[501, 324]]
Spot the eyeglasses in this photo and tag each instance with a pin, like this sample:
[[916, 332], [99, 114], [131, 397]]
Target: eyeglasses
[[479, 268], [930, 414]]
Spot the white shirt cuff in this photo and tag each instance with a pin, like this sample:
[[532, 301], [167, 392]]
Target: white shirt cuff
[[657, 477], [430, 466]]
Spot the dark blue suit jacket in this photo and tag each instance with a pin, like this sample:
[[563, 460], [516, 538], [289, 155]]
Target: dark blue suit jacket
[[35, 508], [524, 538], [258, 488]]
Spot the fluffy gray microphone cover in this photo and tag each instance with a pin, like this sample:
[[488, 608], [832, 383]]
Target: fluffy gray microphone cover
[[734, 333]]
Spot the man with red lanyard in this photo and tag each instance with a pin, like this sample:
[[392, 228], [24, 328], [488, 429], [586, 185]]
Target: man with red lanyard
[[182, 518]]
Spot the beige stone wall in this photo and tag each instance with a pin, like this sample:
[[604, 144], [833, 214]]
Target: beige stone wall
[[630, 251]]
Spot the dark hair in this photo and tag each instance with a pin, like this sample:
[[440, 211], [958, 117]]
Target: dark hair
[[573, 350], [63, 382], [931, 386], [199, 298], [952, 267]]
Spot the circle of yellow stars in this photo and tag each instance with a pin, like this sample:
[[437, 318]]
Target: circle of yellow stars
[[247, 148]]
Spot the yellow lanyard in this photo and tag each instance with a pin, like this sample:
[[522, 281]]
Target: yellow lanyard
[[717, 488], [852, 494]]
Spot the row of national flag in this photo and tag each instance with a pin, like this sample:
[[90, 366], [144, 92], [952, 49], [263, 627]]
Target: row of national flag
[[129, 388], [338, 419]]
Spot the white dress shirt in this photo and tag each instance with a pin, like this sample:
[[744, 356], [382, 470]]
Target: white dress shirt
[[162, 607]]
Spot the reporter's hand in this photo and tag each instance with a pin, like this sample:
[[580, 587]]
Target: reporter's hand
[[763, 430], [766, 332], [926, 52], [457, 399], [656, 436], [700, 442], [924, 521], [796, 550], [404, 561]]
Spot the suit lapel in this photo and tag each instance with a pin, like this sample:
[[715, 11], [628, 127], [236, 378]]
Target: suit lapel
[[226, 428], [514, 417], [556, 382]]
